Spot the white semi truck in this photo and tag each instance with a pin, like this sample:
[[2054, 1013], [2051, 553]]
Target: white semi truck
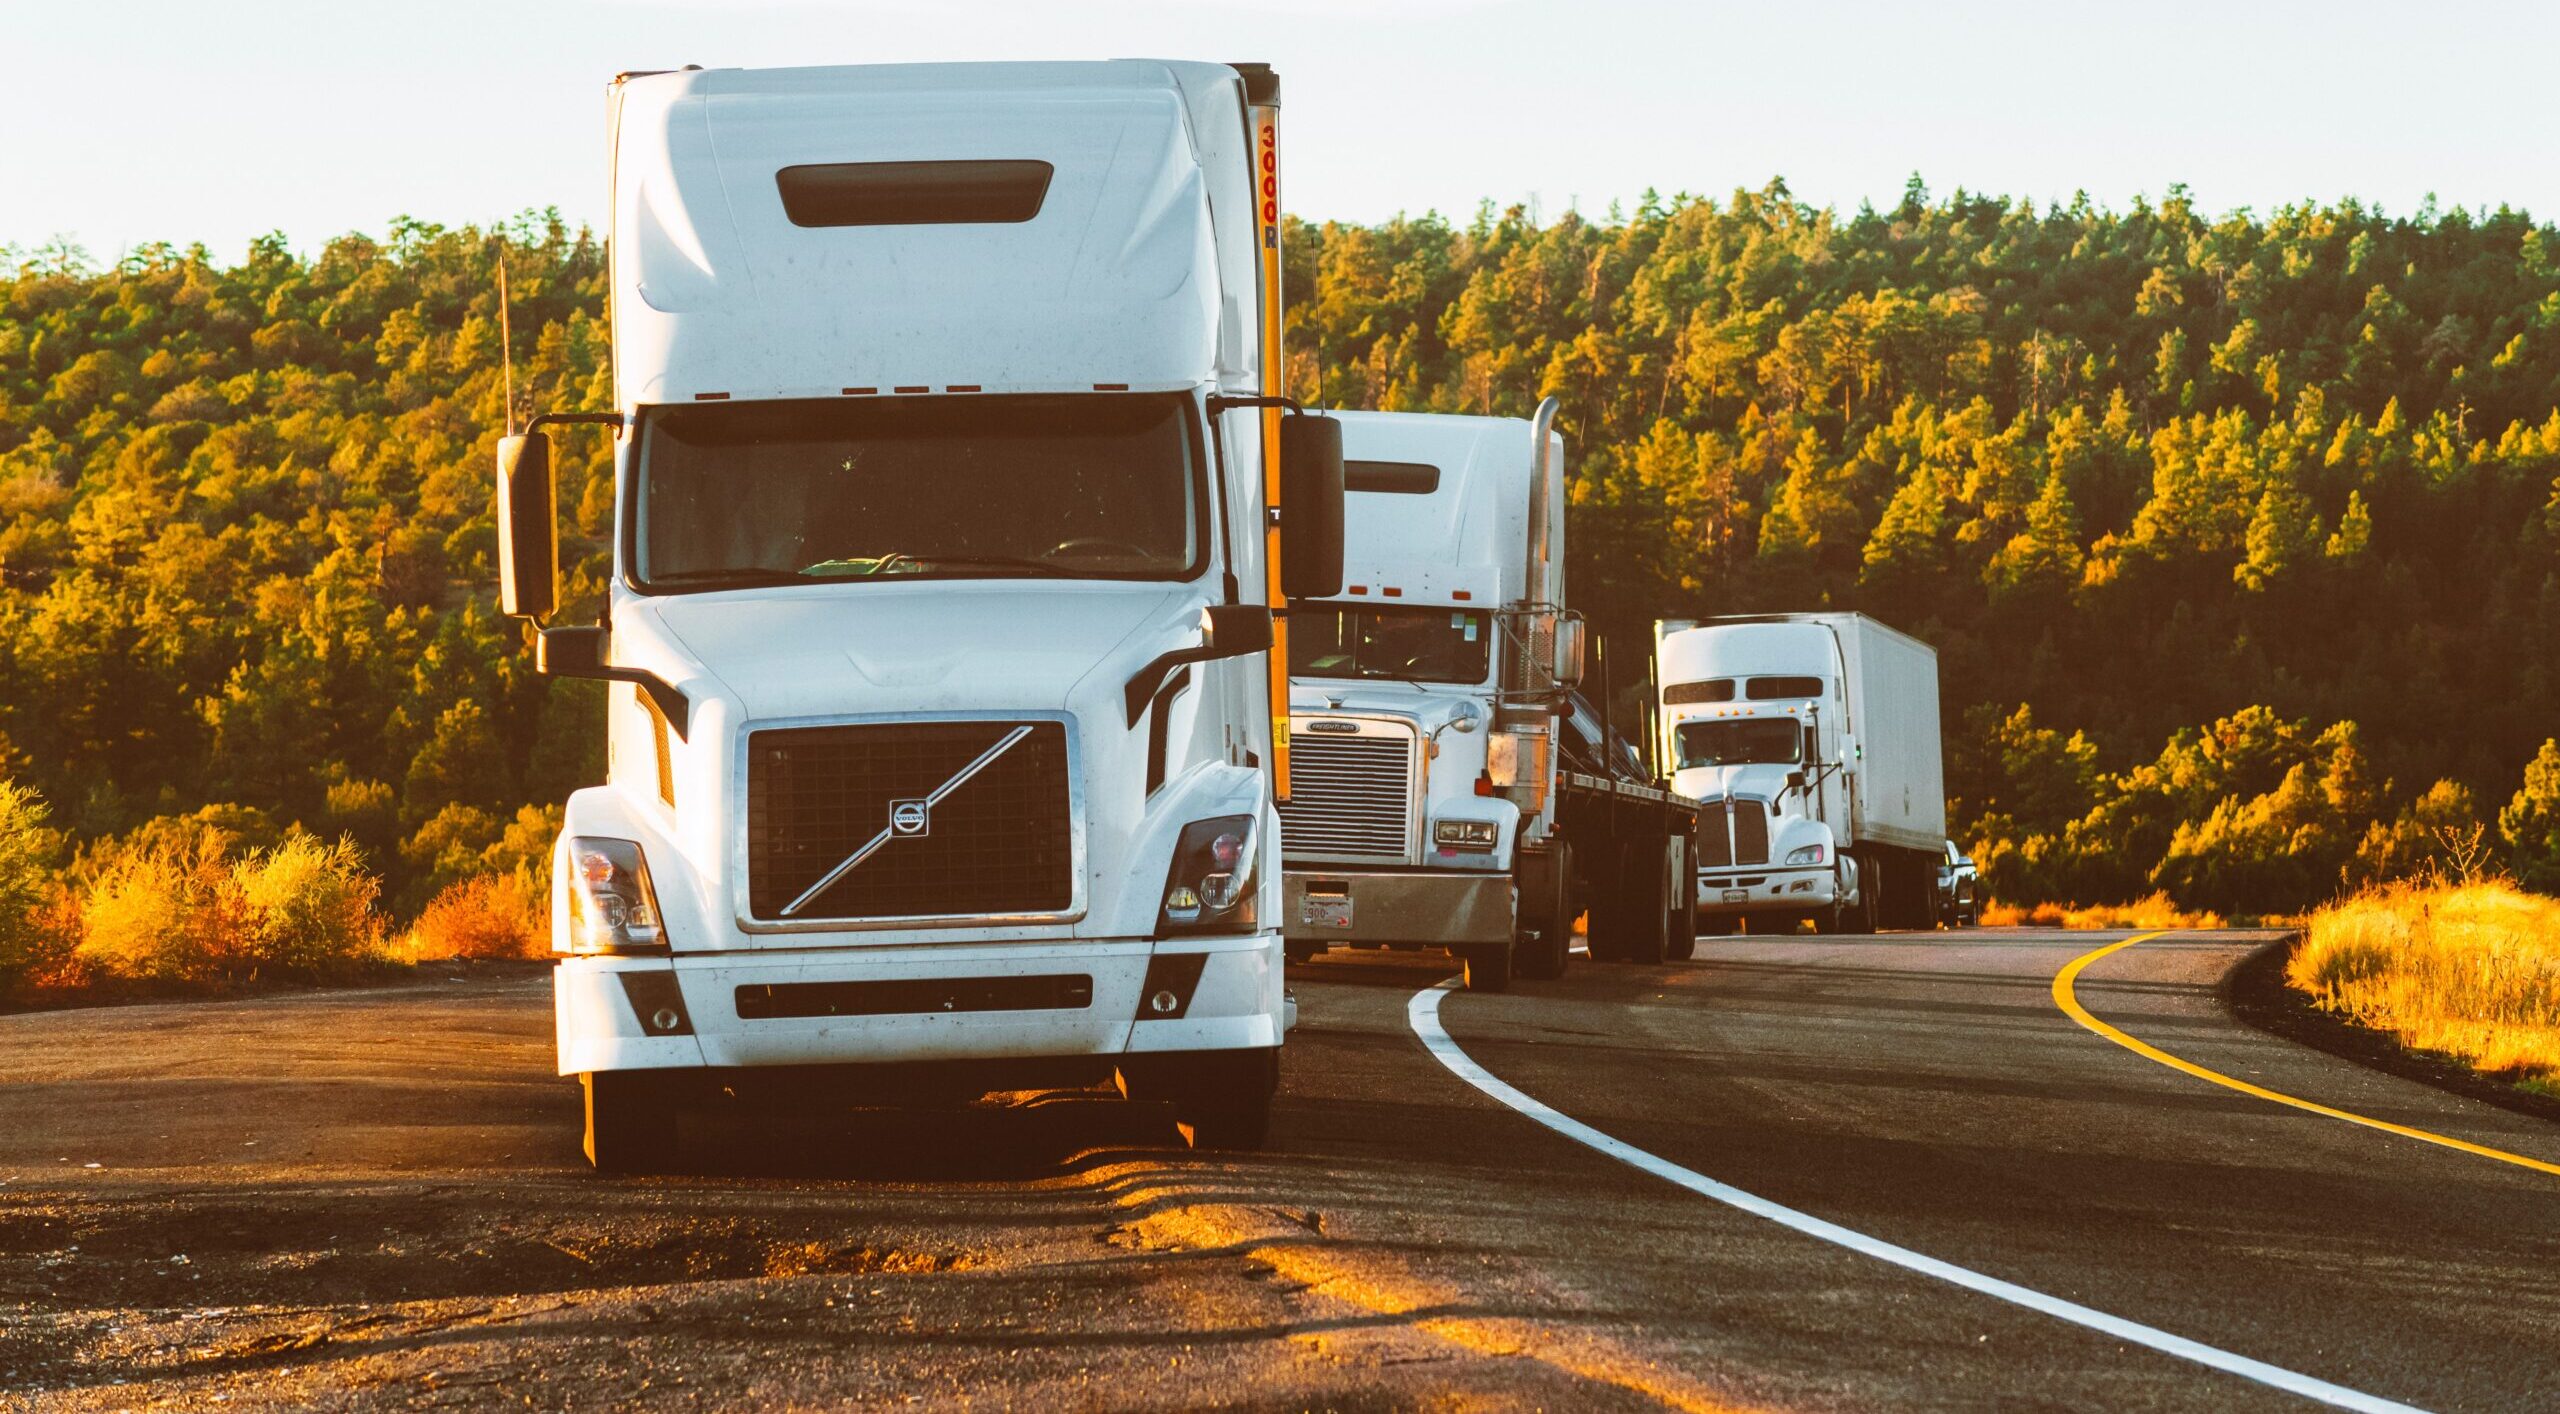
[[949, 450], [1813, 740], [1451, 790]]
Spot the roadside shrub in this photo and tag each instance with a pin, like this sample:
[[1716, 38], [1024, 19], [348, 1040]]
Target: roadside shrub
[[183, 912], [29, 930], [2467, 970], [164, 912], [488, 915], [2154, 910], [308, 906]]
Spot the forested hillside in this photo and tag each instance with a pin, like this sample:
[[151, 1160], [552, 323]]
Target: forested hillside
[[2239, 537]]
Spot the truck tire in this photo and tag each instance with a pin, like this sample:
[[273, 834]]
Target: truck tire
[[1226, 1103], [1648, 891], [1680, 936], [1860, 917], [1541, 952], [1719, 925], [1541, 957], [631, 1121], [1300, 954], [1486, 967]]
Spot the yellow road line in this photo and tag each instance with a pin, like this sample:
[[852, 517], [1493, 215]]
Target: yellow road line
[[2064, 998]]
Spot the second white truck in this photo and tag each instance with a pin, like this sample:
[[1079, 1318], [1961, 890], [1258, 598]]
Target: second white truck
[[1450, 789], [1813, 740]]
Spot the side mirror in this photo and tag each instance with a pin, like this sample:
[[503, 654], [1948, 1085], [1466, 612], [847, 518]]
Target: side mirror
[[1310, 507], [569, 652], [1233, 630], [528, 533], [1795, 780], [1570, 650]]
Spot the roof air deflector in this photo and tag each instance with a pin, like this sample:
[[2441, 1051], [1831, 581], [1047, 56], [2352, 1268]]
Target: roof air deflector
[[913, 193]]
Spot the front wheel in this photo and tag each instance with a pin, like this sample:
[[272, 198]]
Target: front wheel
[[1487, 967], [631, 1122], [1541, 957]]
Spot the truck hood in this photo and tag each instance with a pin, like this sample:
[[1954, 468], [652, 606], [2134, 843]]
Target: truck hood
[[1426, 709], [1767, 782], [931, 646]]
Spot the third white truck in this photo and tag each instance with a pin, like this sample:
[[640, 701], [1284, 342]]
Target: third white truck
[[1813, 740]]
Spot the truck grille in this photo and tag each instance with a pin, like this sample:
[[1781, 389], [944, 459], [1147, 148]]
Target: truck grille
[[998, 844], [1733, 832], [1348, 795]]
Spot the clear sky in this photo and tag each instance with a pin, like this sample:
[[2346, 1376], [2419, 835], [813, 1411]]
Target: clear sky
[[124, 121]]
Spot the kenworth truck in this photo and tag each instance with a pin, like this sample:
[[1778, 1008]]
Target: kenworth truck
[[1813, 740], [949, 450], [1444, 795]]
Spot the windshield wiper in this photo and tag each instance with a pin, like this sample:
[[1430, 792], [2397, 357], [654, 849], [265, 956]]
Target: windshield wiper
[[743, 578], [900, 562]]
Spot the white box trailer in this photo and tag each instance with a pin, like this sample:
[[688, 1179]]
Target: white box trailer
[[1815, 740]]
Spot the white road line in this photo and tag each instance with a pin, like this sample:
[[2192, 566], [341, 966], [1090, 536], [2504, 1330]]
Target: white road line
[[1423, 1013]]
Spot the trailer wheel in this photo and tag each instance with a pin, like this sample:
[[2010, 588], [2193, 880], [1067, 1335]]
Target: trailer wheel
[[1300, 954], [631, 1122], [1226, 1104], [1486, 967]]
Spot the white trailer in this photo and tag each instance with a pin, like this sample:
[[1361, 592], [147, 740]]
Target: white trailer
[[949, 448], [1449, 794], [1814, 740]]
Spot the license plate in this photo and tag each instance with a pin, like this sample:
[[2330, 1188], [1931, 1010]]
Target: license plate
[[1324, 911], [1737, 896]]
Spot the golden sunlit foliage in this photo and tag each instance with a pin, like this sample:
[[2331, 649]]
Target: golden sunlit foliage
[[2467, 970]]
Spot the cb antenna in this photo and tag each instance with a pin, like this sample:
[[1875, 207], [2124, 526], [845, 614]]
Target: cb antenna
[[506, 338]]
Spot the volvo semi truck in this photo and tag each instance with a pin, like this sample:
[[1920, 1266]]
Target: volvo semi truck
[[952, 466], [1813, 740], [1447, 791]]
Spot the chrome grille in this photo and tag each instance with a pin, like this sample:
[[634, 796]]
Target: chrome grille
[[999, 844], [1733, 832], [1349, 796]]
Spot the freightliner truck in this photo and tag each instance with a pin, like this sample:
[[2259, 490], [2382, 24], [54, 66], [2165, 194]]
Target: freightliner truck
[[1444, 796], [1813, 740], [949, 452]]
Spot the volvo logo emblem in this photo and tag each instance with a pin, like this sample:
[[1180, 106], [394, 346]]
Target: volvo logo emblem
[[910, 818]]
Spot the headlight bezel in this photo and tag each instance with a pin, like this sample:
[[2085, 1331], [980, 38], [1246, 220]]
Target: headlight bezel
[[1468, 835], [1199, 878], [613, 904]]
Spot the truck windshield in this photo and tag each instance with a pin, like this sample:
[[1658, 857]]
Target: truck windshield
[[1748, 742], [1092, 486], [1410, 645]]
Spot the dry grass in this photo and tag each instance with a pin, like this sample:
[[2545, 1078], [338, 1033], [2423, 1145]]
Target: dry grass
[[488, 915], [2155, 911], [2468, 970]]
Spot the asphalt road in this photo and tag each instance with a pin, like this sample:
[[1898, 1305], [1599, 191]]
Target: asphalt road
[[374, 1200]]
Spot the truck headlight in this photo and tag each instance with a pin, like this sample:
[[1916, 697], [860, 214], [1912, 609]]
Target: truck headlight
[[1466, 834], [1210, 887], [1805, 854], [612, 908]]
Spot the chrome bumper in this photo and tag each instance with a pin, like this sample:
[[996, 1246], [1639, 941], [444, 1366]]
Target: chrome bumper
[[1441, 908], [1806, 887]]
